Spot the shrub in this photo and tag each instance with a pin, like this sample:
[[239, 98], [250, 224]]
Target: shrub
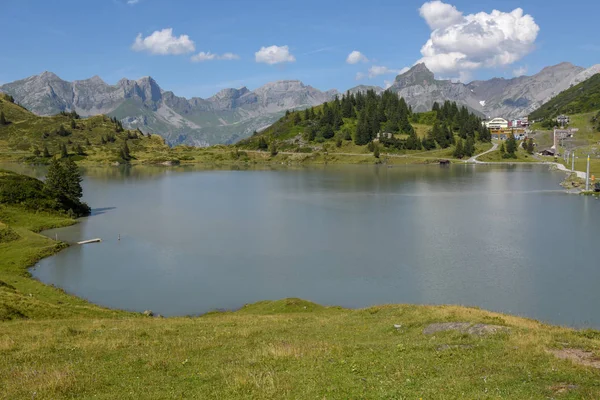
[[8, 235]]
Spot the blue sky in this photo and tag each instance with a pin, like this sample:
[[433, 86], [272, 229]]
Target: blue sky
[[78, 39]]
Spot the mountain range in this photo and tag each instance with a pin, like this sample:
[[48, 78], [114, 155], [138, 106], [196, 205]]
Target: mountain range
[[233, 114], [226, 117]]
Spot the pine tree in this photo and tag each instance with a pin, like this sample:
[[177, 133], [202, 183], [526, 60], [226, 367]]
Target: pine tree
[[273, 149], [530, 146], [470, 147], [62, 131], [73, 125], [36, 152], [459, 150], [3, 120], [511, 146], [63, 151], [64, 179], [361, 137], [125, 155], [376, 152], [79, 150], [46, 153], [502, 149], [297, 119], [262, 143]]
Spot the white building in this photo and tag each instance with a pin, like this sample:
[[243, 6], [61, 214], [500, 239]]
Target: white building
[[497, 124]]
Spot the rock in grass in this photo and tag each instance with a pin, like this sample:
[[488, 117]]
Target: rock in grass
[[464, 327]]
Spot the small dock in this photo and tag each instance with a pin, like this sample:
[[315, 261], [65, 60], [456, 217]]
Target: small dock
[[90, 241]]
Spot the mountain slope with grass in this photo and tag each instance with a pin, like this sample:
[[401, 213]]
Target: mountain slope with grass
[[362, 123], [27, 137], [582, 98]]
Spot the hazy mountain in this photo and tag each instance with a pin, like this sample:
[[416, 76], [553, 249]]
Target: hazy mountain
[[498, 97], [226, 117]]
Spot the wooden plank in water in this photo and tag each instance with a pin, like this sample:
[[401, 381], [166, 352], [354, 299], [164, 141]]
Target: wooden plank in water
[[90, 241]]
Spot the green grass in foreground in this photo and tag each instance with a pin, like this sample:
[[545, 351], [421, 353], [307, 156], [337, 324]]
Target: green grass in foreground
[[293, 349]]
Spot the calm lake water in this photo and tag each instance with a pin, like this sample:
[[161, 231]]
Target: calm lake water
[[497, 237]]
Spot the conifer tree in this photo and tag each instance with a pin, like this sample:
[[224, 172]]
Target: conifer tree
[[63, 151], [530, 146], [376, 152], [3, 120], [273, 149], [469, 147], [262, 143], [361, 137], [46, 153], [459, 150]]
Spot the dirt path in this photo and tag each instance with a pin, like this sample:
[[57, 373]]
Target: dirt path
[[474, 160]]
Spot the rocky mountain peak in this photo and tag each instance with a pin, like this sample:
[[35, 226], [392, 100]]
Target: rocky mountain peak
[[48, 76], [231, 93], [417, 75], [95, 80]]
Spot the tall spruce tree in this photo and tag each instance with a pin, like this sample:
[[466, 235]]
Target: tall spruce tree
[[459, 151], [63, 151]]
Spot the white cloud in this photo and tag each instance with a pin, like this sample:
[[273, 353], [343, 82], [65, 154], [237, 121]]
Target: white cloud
[[520, 71], [274, 55], [360, 76], [440, 15], [163, 43], [377, 70], [461, 43], [229, 56], [355, 57], [132, 2], [387, 84], [202, 56]]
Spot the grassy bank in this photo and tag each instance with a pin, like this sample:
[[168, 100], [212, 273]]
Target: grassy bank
[[20, 296]]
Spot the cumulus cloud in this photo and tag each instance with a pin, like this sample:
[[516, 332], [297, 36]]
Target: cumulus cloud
[[520, 71], [377, 70], [274, 55], [440, 15], [461, 43], [163, 43], [355, 57], [202, 56]]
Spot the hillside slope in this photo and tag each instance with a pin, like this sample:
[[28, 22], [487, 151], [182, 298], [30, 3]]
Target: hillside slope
[[582, 98], [25, 137]]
